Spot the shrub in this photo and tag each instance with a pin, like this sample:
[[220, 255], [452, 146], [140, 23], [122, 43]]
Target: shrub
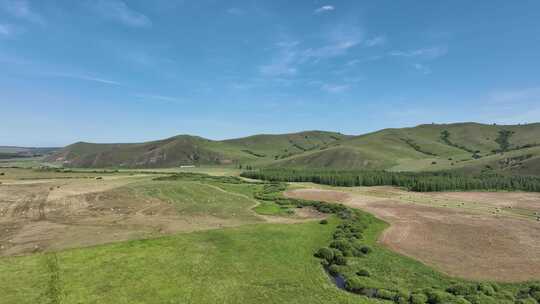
[[357, 253], [461, 289], [365, 249], [534, 287], [386, 294], [486, 289], [325, 263], [333, 270], [402, 298], [323, 222], [340, 260], [523, 293], [536, 295], [341, 245], [436, 296], [354, 285], [462, 300], [418, 298], [326, 254], [363, 273]]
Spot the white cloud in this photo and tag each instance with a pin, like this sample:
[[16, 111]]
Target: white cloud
[[235, 11], [375, 41], [324, 8], [335, 88], [426, 53], [20, 9], [83, 77], [118, 10], [422, 68], [158, 97]]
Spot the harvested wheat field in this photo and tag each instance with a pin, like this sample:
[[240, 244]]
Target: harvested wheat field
[[45, 214], [469, 235]]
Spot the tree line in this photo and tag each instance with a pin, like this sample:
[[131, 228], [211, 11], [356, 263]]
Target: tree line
[[421, 182]]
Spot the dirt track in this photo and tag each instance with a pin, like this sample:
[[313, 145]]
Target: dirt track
[[469, 243]]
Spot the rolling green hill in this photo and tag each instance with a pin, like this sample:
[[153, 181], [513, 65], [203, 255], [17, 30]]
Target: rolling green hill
[[461, 146], [468, 147], [192, 150]]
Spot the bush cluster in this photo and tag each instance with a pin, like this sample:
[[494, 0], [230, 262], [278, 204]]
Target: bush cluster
[[199, 177]]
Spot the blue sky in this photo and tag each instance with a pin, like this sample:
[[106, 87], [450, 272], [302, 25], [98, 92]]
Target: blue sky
[[124, 71]]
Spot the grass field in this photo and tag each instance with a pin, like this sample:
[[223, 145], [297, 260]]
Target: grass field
[[265, 263], [240, 259]]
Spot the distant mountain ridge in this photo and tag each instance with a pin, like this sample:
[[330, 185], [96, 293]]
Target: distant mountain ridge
[[470, 147], [7, 152]]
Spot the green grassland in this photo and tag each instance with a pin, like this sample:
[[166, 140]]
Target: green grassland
[[199, 199], [422, 149], [252, 264], [255, 263]]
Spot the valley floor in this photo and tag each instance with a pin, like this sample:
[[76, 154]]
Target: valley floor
[[113, 237]]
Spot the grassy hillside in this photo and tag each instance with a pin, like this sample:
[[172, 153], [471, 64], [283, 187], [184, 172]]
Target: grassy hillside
[[192, 150], [432, 147], [460, 146], [286, 145]]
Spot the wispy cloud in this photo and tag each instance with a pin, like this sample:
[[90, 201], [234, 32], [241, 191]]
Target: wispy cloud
[[119, 11], [329, 51], [337, 42], [376, 41], [235, 11], [335, 88], [158, 98], [6, 30], [354, 62], [291, 54], [20, 9], [422, 68], [324, 8], [284, 62], [426, 53], [83, 77]]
